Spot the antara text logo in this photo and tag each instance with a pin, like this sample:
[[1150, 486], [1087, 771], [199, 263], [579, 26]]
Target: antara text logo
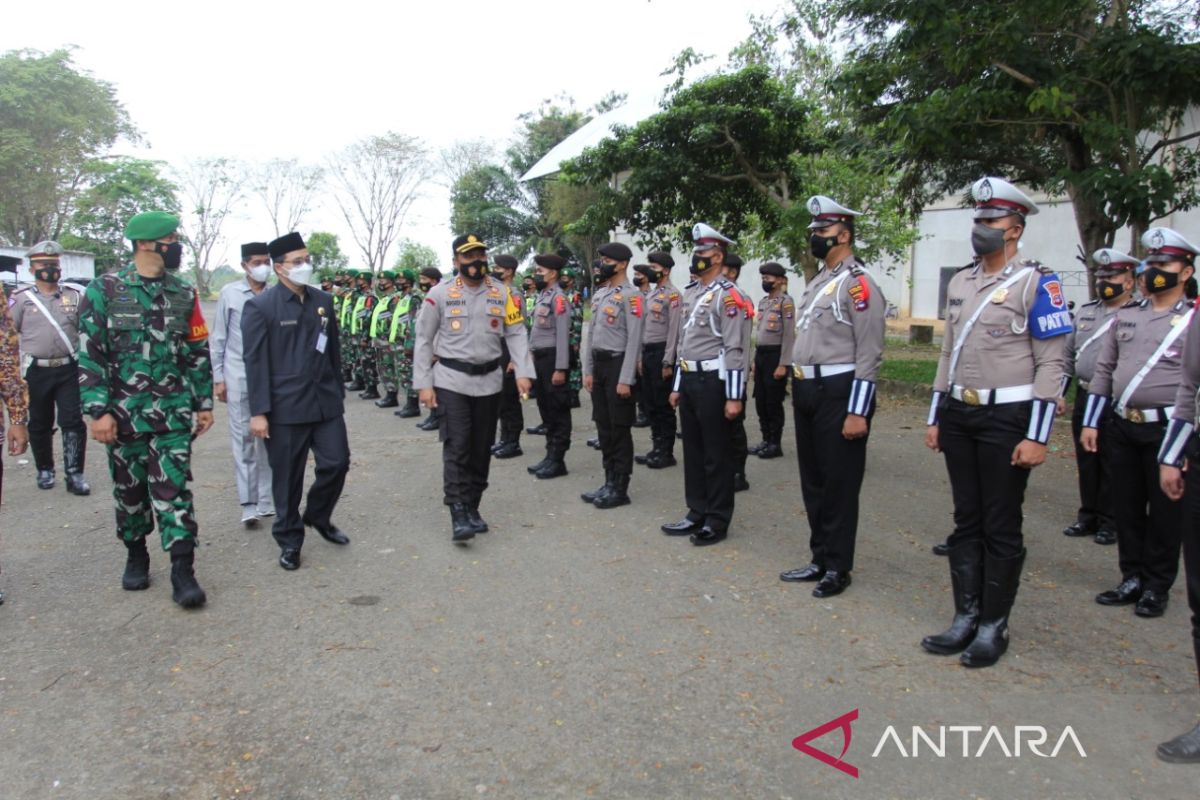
[[944, 741]]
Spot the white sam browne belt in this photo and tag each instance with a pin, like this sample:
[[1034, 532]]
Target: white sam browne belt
[[990, 397]]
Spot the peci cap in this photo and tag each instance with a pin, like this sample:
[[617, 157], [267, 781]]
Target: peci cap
[[254, 249], [289, 242]]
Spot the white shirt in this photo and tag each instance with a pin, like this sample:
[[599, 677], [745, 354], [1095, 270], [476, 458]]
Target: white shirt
[[225, 338]]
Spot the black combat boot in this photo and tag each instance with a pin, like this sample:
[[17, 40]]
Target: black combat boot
[[74, 445], [411, 409], [186, 592], [478, 524], [460, 523], [554, 467], [663, 455], [740, 484], [45, 479], [966, 580], [371, 393], [354, 386], [508, 449], [618, 495], [596, 494], [137, 567], [430, 423], [1001, 577], [389, 401]]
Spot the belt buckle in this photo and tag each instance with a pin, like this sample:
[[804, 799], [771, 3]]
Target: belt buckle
[[798, 372], [1135, 415], [970, 397], [684, 364]]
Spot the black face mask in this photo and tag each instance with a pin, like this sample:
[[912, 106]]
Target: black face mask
[[172, 254], [1109, 290], [1159, 280], [639, 282], [425, 287], [606, 271], [699, 265], [48, 274], [539, 283], [820, 246], [768, 287], [563, 283], [473, 270]]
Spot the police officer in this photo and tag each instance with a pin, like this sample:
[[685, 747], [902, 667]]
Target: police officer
[[461, 325], [512, 418], [550, 345], [13, 396], [772, 356], [992, 408], [642, 279], [293, 370], [429, 278], [835, 359], [250, 464], [1114, 287], [610, 371], [1137, 374], [146, 383], [709, 387], [661, 330], [1180, 441], [47, 318], [741, 443]]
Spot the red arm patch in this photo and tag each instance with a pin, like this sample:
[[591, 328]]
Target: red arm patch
[[635, 305], [560, 305], [197, 327], [741, 301], [860, 294]]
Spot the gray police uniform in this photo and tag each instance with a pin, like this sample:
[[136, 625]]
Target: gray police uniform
[[550, 346], [250, 462], [711, 369], [776, 336], [835, 361], [659, 335], [614, 338], [1084, 344], [51, 369], [1142, 403], [462, 327]]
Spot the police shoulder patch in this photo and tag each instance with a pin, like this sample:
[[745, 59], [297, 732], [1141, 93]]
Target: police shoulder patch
[[1049, 316]]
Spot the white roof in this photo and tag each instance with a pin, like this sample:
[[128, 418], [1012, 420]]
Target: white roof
[[631, 112]]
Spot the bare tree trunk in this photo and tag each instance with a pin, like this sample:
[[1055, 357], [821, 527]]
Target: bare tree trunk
[[1096, 229]]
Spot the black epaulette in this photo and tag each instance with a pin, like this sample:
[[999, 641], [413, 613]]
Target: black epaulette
[[964, 266], [1095, 302], [858, 268], [691, 284], [1139, 303]]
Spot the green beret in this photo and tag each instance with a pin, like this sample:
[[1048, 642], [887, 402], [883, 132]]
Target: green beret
[[388, 274], [151, 225], [409, 275]]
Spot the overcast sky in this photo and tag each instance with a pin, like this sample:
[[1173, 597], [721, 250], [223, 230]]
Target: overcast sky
[[259, 80]]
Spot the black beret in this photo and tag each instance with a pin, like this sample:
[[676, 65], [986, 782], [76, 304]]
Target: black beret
[[9, 263], [506, 261], [616, 251], [645, 269], [254, 249], [773, 268], [468, 242], [432, 272], [733, 260], [662, 258], [550, 261], [284, 245]]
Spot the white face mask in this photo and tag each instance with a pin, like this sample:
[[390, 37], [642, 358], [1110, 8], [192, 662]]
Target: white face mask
[[301, 275], [260, 272]]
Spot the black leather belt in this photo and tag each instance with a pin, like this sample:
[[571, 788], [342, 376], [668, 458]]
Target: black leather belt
[[769, 348], [545, 351], [607, 355], [469, 368], [654, 346]]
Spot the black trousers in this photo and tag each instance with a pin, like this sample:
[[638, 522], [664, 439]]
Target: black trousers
[[554, 403], [1191, 544], [1095, 474], [831, 467], [287, 451], [512, 417], [707, 449], [613, 415], [988, 491], [658, 393], [467, 431], [1149, 524], [769, 393], [52, 388]]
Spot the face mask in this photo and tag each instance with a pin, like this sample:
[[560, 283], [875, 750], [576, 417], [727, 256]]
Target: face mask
[[639, 282], [301, 274], [985, 240], [820, 246], [539, 283], [172, 254], [425, 287], [1159, 280], [699, 265], [563, 283], [1108, 290], [48, 274], [260, 272], [768, 287], [606, 271], [498, 274], [473, 270]]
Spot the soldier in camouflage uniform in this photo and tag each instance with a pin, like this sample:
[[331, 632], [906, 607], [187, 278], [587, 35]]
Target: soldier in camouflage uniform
[[343, 283], [575, 375], [377, 333], [13, 395], [360, 327], [400, 338], [429, 278], [146, 384], [354, 297]]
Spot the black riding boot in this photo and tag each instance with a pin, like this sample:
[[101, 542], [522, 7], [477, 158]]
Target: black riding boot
[[966, 579]]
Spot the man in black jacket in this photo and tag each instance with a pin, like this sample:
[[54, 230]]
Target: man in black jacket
[[293, 376]]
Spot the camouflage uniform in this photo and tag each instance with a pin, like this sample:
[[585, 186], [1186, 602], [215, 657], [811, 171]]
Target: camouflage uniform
[[377, 333], [404, 335], [366, 371], [575, 376], [13, 395], [143, 357]]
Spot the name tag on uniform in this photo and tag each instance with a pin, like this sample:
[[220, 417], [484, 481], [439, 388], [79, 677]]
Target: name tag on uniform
[[322, 340], [283, 322]]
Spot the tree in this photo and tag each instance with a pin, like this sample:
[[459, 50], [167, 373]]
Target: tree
[[415, 256], [325, 251], [117, 189], [489, 202], [287, 190], [375, 183], [55, 120], [210, 189], [1082, 97], [463, 157]]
